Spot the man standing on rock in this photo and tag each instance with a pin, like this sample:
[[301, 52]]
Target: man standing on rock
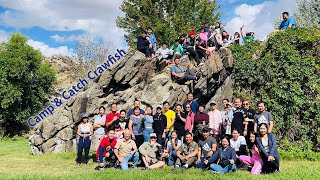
[[136, 103], [112, 116], [99, 126], [193, 103], [181, 74]]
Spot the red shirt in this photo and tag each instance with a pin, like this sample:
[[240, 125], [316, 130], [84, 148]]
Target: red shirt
[[105, 142], [109, 118]]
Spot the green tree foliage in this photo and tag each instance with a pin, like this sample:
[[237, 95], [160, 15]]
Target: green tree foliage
[[284, 73], [308, 13], [168, 18], [24, 83]]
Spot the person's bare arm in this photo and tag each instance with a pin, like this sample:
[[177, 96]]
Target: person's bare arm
[[78, 131], [271, 126], [111, 122], [176, 75], [173, 120], [91, 130], [241, 33]]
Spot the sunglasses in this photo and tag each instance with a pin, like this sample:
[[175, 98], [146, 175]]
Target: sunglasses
[[187, 107], [246, 104], [153, 138]]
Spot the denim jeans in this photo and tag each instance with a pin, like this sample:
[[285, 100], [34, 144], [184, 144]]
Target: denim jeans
[[172, 158], [146, 134], [201, 164], [131, 157], [220, 169]]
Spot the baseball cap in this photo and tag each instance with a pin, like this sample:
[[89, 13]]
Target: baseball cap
[[153, 135], [84, 116], [205, 129], [213, 103], [159, 107]]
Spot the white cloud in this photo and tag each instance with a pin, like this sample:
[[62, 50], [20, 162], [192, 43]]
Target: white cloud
[[259, 18], [4, 36], [95, 16], [49, 51], [62, 39]]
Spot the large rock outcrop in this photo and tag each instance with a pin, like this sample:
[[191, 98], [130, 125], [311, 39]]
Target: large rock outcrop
[[132, 77]]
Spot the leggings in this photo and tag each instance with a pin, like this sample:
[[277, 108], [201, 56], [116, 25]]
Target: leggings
[[251, 161]]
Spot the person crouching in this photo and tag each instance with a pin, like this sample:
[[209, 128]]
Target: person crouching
[[151, 153]]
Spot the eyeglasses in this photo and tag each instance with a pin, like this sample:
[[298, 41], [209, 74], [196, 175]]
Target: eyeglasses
[[153, 138], [187, 107]]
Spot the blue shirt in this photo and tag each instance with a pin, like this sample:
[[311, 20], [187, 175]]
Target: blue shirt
[[285, 23], [194, 106], [153, 40], [148, 120]]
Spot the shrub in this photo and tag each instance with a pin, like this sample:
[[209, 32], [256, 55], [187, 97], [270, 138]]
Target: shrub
[[284, 72]]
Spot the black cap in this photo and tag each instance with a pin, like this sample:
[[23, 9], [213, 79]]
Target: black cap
[[205, 129]]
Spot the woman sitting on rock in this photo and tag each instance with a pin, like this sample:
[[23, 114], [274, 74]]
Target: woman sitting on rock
[[85, 131]]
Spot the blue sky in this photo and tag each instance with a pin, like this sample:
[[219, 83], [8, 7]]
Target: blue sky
[[52, 26]]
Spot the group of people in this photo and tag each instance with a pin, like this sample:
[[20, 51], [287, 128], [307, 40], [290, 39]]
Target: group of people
[[197, 46], [188, 136]]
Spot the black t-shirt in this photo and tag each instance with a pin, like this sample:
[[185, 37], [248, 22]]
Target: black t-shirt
[[238, 118], [123, 123], [179, 124], [159, 123], [250, 113]]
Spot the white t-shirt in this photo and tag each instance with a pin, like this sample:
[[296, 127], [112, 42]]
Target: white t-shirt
[[100, 119], [170, 147], [236, 144]]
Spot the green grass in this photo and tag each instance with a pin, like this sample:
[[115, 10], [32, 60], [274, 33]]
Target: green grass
[[16, 162]]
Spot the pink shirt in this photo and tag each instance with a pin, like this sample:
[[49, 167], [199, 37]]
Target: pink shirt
[[204, 36], [189, 122], [215, 121]]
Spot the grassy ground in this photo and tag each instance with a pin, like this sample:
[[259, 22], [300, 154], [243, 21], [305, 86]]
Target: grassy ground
[[16, 162]]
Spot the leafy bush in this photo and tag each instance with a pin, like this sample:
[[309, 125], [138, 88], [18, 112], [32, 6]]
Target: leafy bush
[[25, 83], [284, 72]]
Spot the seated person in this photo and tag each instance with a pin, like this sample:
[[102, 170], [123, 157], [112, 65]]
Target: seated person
[[207, 147], [254, 160], [126, 150], [201, 49], [238, 143], [173, 146], [105, 150], [177, 48], [249, 36], [151, 153], [203, 36], [189, 45], [288, 22], [166, 53], [225, 158], [144, 45], [180, 74], [187, 153], [267, 144]]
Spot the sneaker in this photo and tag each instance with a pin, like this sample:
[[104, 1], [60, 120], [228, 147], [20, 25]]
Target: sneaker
[[78, 164], [176, 168], [143, 169], [214, 172], [101, 169]]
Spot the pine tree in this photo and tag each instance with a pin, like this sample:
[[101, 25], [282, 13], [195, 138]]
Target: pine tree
[[168, 18]]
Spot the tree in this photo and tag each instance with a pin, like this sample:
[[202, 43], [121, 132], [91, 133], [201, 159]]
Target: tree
[[168, 18], [25, 83], [308, 13]]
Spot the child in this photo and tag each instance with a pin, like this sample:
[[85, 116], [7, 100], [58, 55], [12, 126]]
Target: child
[[255, 159]]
